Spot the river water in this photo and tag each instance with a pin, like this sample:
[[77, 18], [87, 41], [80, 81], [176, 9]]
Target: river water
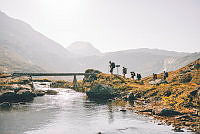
[[70, 112]]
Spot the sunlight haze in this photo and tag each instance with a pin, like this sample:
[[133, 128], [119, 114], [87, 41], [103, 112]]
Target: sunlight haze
[[112, 25]]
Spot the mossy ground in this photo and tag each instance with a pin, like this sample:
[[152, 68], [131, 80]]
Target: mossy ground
[[180, 93]]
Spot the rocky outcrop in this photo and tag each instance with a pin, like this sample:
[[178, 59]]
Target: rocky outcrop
[[169, 112], [101, 92], [15, 97], [184, 78], [90, 78]]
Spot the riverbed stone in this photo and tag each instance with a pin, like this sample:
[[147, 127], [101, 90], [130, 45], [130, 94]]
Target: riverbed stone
[[169, 112], [8, 96], [51, 92], [20, 96], [25, 96], [39, 92], [5, 105]]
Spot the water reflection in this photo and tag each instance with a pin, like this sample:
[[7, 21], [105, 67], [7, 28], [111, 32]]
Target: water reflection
[[110, 113], [70, 112]]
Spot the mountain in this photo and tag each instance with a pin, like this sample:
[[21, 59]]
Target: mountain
[[81, 48], [172, 63], [26, 50], [144, 61], [27, 47], [12, 61]]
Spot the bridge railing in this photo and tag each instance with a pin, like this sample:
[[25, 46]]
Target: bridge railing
[[51, 74]]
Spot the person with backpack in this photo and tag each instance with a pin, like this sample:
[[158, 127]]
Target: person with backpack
[[112, 66], [154, 76], [132, 75], [124, 71], [139, 76], [165, 75]]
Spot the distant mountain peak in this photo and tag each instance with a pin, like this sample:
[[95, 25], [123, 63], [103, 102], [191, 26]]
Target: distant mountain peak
[[83, 48]]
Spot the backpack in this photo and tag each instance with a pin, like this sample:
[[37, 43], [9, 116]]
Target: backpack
[[113, 65], [166, 74]]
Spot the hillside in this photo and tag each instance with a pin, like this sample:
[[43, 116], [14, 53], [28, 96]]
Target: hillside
[[179, 93], [24, 49], [12, 61], [145, 61], [18, 39], [176, 63]]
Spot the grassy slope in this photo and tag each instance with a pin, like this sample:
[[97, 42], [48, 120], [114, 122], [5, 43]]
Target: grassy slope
[[177, 94]]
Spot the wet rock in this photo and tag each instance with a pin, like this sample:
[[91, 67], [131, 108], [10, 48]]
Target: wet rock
[[123, 110], [5, 105], [169, 113], [51, 92], [25, 96], [43, 84], [39, 93], [177, 130], [147, 110], [101, 92], [22, 103], [8, 96], [20, 96]]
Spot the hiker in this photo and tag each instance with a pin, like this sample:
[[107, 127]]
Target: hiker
[[132, 75], [112, 66], [165, 75], [155, 76], [139, 76], [124, 71]]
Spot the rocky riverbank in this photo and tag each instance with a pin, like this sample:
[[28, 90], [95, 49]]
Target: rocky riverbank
[[175, 101], [19, 90]]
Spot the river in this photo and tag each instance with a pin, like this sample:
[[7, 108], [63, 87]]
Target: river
[[70, 112]]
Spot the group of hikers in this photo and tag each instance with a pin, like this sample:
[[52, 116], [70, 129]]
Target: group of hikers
[[133, 74], [165, 75], [124, 71]]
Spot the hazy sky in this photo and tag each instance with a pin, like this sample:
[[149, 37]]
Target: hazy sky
[[112, 25]]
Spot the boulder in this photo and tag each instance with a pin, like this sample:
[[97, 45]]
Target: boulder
[[169, 112], [5, 105], [101, 92], [8, 96], [20, 96], [90, 78], [39, 92], [185, 78], [51, 92], [25, 96]]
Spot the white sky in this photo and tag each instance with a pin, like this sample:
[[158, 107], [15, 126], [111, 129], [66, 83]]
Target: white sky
[[112, 25]]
